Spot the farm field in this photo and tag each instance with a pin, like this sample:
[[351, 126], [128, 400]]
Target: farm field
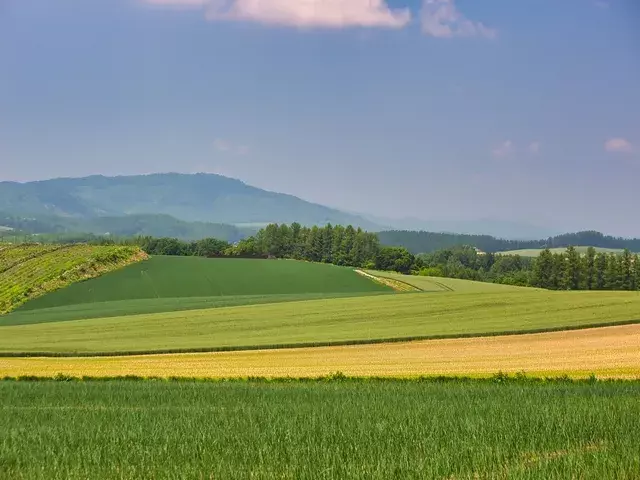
[[163, 277], [534, 252], [29, 271], [334, 429], [441, 284], [608, 352], [313, 322]]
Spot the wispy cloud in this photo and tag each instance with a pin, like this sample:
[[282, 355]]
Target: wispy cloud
[[300, 13], [618, 145], [441, 18], [226, 146], [534, 147], [505, 149]]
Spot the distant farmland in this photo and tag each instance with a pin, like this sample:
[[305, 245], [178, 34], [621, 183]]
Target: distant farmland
[[534, 252]]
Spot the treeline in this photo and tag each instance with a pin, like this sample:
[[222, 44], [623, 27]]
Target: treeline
[[345, 246], [427, 242], [349, 246], [554, 271]]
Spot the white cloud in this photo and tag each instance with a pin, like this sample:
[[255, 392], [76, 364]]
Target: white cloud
[[534, 147], [225, 146], [441, 18], [300, 13], [505, 149], [619, 145]]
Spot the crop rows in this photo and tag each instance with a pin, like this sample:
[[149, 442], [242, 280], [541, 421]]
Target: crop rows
[[12, 255], [332, 429], [41, 270]]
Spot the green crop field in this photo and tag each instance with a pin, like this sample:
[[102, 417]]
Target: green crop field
[[328, 320], [28, 271], [178, 277], [439, 284], [332, 429], [534, 252]]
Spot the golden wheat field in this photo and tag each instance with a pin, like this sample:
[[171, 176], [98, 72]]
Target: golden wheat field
[[608, 352]]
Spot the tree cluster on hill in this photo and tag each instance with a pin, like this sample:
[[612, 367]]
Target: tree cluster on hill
[[427, 242], [554, 271]]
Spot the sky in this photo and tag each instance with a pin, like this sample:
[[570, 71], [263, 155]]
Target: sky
[[524, 110]]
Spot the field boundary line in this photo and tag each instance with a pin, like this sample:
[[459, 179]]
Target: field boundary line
[[397, 285], [497, 378], [337, 343]]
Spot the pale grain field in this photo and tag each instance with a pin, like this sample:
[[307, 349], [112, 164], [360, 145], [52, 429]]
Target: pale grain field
[[609, 352]]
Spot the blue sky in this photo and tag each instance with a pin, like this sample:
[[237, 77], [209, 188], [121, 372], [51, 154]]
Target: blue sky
[[516, 110]]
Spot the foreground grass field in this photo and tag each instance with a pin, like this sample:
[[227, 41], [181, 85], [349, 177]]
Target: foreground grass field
[[608, 352], [187, 277], [333, 429], [313, 322], [28, 271]]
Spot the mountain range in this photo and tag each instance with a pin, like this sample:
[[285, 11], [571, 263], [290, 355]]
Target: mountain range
[[191, 198], [190, 206]]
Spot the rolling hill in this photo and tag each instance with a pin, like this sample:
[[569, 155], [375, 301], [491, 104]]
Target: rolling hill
[[28, 271], [191, 198]]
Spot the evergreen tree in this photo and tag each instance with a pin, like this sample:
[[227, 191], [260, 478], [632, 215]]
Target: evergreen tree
[[601, 271], [627, 272], [589, 262], [572, 271], [613, 278], [543, 267]]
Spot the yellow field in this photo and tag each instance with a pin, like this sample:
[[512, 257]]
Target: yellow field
[[610, 352]]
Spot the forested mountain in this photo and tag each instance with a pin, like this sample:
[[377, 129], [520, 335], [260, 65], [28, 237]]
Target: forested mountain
[[427, 242], [193, 198], [126, 226]]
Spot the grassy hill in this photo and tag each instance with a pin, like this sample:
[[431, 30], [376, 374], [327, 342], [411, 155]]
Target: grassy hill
[[28, 271], [163, 278], [534, 252], [328, 321], [440, 284]]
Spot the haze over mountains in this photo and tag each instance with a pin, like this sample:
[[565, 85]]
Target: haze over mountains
[[192, 206], [191, 198]]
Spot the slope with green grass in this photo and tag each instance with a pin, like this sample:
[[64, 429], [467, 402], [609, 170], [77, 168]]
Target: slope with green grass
[[163, 277], [28, 271], [441, 284], [327, 321]]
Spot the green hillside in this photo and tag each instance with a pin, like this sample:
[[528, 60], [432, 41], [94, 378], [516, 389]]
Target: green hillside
[[28, 271], [358, 319], [163, 277]]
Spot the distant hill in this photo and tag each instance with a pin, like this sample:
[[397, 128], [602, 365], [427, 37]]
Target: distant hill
[[496, 228], [427, 242], [192, 198], [155, 225]]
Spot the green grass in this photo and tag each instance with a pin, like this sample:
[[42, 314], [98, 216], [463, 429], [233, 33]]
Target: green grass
[[419, 315], [440, 284], [179, 277], [370, 429], [28, 271], [534, 252], [118, 308]]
